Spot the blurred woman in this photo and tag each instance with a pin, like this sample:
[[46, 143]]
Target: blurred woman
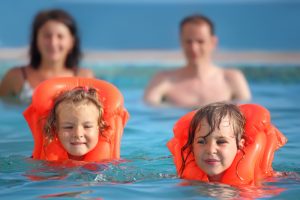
[[54, 52]]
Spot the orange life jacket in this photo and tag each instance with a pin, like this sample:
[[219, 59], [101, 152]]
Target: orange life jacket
[[261, 140], [114, 115]]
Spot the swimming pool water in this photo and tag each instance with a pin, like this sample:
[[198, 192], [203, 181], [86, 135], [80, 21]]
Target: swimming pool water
[[146, 170]]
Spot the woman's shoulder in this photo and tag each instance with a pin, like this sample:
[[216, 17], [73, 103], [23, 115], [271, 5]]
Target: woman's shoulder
[[14, 71], [84, 72], [15, 74], [12, 81]]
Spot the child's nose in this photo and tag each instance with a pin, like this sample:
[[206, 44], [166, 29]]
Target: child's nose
[[211, 148], [78, 132]]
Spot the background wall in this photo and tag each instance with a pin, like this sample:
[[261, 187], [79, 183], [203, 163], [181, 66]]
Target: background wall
[[268, 25]]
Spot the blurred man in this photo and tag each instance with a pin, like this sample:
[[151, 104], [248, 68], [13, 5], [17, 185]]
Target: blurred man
[[200, 81]]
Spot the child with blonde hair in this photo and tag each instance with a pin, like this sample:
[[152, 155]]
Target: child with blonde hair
[[76, 118]]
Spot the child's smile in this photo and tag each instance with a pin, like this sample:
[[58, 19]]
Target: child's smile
[[215, 151], [78, 128]]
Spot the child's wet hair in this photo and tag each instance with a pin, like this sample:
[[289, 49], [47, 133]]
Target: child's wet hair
[[213, 114], [74, 96]]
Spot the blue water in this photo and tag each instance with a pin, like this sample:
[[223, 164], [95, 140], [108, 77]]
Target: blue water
[[147, 170], [270, 25]]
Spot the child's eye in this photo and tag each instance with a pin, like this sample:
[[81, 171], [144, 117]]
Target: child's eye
[[201, 141], [67, 127], [88, 126], [221, 142]]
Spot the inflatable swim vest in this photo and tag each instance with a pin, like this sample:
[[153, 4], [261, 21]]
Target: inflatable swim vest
[[261, 140], [114, 115]]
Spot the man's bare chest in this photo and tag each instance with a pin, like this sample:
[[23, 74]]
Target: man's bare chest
[[214, 90]]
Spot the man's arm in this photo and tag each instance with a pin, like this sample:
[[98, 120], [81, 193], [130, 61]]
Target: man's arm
[[156, 89], [239, 85]]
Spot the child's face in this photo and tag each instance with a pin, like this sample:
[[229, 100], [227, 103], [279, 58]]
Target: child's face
[[215, 153], [78, 129]]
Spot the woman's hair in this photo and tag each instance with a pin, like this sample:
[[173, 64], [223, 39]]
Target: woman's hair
[[213, 113], [74, 96], [61, 16]]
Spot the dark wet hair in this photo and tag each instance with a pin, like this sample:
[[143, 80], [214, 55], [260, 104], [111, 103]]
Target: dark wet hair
[[197, 19], [61, 16], [74, 96], [214, 113]]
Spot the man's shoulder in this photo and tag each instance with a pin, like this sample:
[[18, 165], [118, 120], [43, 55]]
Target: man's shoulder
[[168, 74], [234, 76], [232, 73], [237, 80]]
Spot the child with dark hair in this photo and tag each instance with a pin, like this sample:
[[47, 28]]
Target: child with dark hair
[[215, 135]]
